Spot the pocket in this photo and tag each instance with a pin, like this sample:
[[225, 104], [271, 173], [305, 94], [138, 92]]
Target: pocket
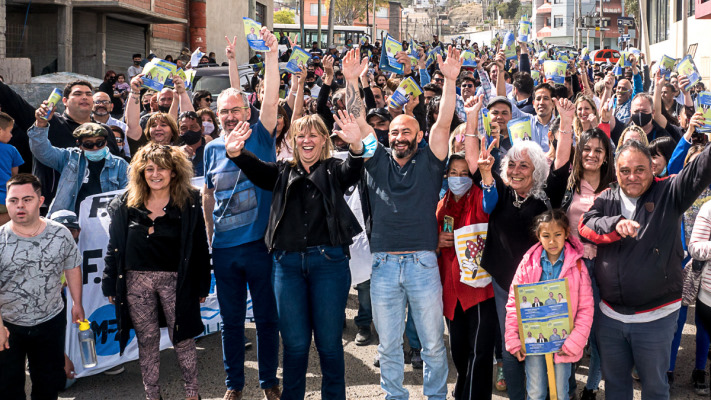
[[278, 255], [333, 254], [427, 260]]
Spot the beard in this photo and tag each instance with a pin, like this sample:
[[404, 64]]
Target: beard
[[101, 111], [407, 152]]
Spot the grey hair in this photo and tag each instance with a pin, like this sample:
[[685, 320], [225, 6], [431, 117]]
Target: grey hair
[[540, 165], [232, 92]]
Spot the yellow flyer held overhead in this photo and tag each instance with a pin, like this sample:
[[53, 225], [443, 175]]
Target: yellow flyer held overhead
[[252, 30], [555, 71], [407, 89]]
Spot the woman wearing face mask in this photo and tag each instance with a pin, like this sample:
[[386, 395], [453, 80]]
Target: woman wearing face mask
[[661, 150], [470, 312], [527, 187], [108, 87], [309, 231], [210, 126]]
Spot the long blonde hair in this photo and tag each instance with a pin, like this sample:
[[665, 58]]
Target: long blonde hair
[[633, 128], [577, 123], [168, 157], [307, 123]]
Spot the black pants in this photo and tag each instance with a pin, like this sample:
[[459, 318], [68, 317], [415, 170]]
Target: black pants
[[472, 335], [703, 313], [43, 345]]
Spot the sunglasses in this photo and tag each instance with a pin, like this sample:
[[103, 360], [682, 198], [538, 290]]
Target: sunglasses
[[467, 86], [95, 145], [439, 80], [208, 99], [119, 140]]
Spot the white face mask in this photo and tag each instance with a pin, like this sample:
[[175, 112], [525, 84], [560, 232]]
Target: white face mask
[[459, 185], [207, 127]]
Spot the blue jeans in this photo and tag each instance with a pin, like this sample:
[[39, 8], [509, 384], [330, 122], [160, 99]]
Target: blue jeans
[[411, 331], [311, 290], [537, 378], [395, 281], [235, 268], [365, 311], [514, 371], [644, 345]]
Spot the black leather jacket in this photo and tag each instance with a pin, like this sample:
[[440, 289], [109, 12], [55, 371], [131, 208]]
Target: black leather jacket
[[193, 273], [332, 178]]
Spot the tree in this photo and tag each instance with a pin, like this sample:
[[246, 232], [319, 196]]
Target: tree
[[508, 10], [526, 9], [347, 11], [284, 17]]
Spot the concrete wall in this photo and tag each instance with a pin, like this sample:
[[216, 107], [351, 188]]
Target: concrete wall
[[225, 19], [88, 50], [673, 47]]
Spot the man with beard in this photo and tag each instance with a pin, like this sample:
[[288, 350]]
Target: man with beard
[[236, 215], [403, 235], [77, 99], [102, 114], [166, 103]]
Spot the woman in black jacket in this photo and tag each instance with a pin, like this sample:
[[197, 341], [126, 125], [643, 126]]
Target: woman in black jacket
[[309, 231], [158, 263]]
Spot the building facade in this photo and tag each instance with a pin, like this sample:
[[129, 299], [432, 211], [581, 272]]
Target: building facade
[[387, 19], [554, 21]]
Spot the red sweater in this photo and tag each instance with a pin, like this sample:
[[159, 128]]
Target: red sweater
[[467, 211]]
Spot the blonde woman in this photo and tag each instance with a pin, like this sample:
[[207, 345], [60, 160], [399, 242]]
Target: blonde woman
[[586, 116], [633, 132], [157, 262], [309, 231]]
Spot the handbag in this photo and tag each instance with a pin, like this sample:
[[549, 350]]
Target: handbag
[[691, 282], [469, 245]]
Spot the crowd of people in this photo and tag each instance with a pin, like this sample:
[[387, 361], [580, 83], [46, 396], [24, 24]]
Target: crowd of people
[[315, 182]]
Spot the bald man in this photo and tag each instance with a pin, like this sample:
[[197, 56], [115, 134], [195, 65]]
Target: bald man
[[625, 92], [403, 186]]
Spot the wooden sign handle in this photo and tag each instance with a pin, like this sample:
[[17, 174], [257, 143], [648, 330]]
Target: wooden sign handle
[[551, 376]]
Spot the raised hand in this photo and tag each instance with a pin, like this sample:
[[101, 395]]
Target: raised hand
[[696, 121], [473, 106], [178, 84], [269, 40], [41, 113], [235, 140], [350, 131], [683, 82], [500, 60], [413, 101], [606, 111], [136, 83], [486, 160], [352, 65], [328, 65], [566, 110], [230, 48], [450, 68], [404, 59]]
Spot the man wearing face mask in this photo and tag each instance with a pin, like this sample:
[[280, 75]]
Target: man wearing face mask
[[165, 104], [84, 170], [102, 114], [191, 140], [379, 119], [642, 109], [136, 68]]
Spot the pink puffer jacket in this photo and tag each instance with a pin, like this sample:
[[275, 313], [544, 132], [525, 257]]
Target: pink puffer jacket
[[581, 298]]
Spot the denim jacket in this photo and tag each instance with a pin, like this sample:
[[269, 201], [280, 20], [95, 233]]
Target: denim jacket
[[72, 165]]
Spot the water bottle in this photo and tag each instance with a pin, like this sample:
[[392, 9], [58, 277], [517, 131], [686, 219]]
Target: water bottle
[[87, 345]]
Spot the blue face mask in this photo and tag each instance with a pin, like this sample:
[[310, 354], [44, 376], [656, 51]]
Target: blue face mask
[[459, 184], [97, 155]]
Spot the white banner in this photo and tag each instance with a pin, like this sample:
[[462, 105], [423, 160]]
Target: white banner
[[93, 240]]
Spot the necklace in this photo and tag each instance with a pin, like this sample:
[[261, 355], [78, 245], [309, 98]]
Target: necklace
[[518, 201], [22, 234]]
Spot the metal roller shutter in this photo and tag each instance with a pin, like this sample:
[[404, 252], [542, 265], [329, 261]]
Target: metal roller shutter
[[123, 39]]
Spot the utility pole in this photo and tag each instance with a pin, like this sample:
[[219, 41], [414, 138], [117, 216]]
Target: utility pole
[[580, 18], [602, 32], [318, 34], [575, 22], [301, 20], [329, 37]]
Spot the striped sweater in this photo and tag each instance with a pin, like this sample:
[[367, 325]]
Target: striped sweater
[[700, 249]]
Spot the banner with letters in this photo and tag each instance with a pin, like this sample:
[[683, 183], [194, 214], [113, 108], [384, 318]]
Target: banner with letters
[[93, 240]]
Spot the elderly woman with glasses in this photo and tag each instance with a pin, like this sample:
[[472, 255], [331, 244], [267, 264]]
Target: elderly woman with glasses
[[88, 169], [158, 262]]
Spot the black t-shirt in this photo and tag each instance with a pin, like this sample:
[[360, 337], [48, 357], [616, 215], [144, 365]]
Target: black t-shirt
[[91, 182], [156, 251]]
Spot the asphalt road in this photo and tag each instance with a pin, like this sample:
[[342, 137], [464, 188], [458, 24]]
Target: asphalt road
[[362, 378]]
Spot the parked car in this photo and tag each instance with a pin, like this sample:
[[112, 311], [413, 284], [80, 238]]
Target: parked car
[[601, 56]]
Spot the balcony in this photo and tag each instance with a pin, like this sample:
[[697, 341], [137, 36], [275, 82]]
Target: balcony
[[545, 8]]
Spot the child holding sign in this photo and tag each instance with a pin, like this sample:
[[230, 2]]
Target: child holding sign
[[556, 256]]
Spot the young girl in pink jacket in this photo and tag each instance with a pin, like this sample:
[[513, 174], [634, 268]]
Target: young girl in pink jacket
[[556, 256]]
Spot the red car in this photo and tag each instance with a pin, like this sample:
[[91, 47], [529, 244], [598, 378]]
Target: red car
[[601, 56]]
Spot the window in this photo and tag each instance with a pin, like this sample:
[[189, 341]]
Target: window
[[314, 9], [382, 12], [548, 21], [260, 13], [557, 22], [557, 1], [690, 9], [658, 20]]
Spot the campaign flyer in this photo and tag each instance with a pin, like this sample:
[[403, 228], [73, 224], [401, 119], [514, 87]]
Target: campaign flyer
[[254, 37]]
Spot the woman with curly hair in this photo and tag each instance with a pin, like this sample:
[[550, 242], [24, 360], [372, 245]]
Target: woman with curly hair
[[158, 263], [210, 125]]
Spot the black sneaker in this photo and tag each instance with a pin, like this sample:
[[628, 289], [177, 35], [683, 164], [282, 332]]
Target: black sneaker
[[670, 378], [376, 361], [588, 394], [701, 384], [364, 336], [416, 358]]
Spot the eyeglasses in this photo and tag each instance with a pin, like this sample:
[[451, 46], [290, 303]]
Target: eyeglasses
[[188, 114], [439, 80], [119, 140], [104, 102], [233, 111], [208, 99], [467, 86], [94, 145]]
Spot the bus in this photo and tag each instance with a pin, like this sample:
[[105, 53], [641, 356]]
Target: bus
[[341, 33]]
